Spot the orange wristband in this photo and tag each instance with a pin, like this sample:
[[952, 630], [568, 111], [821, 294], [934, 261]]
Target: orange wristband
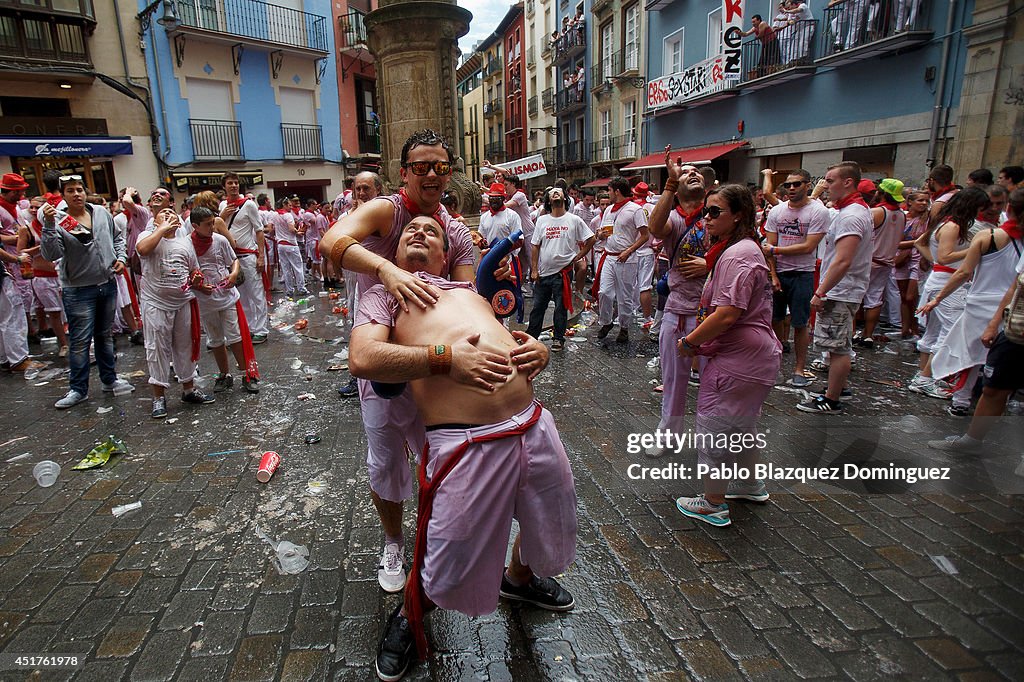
[[343, 244], [440, 357]]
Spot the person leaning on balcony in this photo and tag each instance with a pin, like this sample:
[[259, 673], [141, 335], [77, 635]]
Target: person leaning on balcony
[[802, 30], [769, 44]]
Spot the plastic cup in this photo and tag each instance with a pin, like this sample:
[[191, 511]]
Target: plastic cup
[[46, 473]]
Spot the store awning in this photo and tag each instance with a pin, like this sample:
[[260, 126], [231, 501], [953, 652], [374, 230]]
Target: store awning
[[700, 155], [600, 182], [65, 146]]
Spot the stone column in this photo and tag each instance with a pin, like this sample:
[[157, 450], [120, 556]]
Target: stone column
[[415, 45]]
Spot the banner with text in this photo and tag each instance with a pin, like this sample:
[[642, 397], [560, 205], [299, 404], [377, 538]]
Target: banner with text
[[703, 78], [530, 167], [732, 34]]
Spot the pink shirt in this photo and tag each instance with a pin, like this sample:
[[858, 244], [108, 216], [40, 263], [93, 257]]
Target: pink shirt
[[748, 350]]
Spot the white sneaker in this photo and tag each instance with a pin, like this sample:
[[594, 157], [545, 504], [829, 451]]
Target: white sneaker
[[919, 383], [119, 387], [70, 400], [391, 571]]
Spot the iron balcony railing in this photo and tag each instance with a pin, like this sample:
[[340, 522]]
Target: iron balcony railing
[[791, 47], [571, 43], [547, 99], [43, 42], [494, 66], [257, 20], [614, 148], [853, 23], [302, 141], [216, 140], [494, 151], [572, 153], [353, 29], [531, 54], [531, 107], [369, 138], [531, 7], [513, 123], [614, 65], [570, 99]]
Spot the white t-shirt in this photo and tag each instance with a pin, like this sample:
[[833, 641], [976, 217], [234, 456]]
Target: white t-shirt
[[522, 208], [793, 226], [216, 266], [854, 219], [245, 224], [558, 240], [498, 225], [626, 224], [166, 270]]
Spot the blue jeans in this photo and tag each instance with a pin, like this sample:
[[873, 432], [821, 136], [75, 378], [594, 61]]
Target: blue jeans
[[546, 289], [90, 312]]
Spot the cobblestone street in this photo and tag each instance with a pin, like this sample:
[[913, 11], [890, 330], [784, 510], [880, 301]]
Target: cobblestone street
[[857, 580]]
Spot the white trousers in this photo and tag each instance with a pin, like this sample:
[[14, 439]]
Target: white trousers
[[291, 268], [168, 336], [618, 284], [254, 300], [13, 323]]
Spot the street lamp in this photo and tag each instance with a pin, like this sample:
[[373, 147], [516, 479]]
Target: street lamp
[[169, 20]]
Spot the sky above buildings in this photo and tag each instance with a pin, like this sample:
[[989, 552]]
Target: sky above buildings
[[486, 15]]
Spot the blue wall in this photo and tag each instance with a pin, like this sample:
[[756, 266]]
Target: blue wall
[[257, 110], [871, 89]]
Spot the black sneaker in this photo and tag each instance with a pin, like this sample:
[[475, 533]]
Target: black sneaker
[[623, 336], [397, 648], [251, 385], [958, 411], [197, 397], [223, 383], [603, 332], [821, 405], [137, 339], [349, 390], [543, 592]]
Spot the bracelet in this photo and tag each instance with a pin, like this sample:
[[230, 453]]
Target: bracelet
[[343, 244], [687, 344], [821, 296], [440, 358], [671, 186]]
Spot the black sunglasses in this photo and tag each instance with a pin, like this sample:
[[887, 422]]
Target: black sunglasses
[[423, 167], [712, 211], [792, 185]]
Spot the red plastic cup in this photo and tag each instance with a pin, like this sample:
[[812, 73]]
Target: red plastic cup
[[268, 465]]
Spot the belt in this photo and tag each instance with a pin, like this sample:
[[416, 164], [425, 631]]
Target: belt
[[283, 243], [245, 252], [943, 268], [43, 273]]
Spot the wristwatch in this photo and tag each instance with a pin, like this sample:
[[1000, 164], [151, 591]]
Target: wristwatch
[[687, 344]]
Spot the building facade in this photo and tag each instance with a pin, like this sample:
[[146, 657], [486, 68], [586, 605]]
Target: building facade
[[469, 86], [357, 86], [571, 101], [250, 87], [872, 82], [516, 122], [74, 96], [541, 136]]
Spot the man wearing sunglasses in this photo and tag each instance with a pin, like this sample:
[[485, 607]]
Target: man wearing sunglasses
[[792, 234], [366, 242]]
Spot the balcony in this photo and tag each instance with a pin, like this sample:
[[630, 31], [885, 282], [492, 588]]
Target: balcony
[[492, 108], [353, 34], [43, 42], [531, 7], [598, 6], [570, 44], [369, 138], [855, 30], [624, 147], [256, 22], [494, 151], [79, 9], [571, 154], [570, 99], [789, 58], [216, 140], [532, 108], [547, 100], [531, 57], [493, 68], [513, 123], [302, 141]]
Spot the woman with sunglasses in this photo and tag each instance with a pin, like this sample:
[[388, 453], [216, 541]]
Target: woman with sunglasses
[[743, 356], [91, 252]]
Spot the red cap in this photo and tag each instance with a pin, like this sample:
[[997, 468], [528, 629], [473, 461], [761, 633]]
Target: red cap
[[866, 186], [496, 190], [13, 181], [641, 189]]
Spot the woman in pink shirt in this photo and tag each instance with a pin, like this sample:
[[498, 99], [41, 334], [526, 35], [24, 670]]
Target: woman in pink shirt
[[735, 334]]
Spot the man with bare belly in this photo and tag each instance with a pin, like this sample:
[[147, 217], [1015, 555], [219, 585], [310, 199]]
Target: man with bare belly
[[493, 453]]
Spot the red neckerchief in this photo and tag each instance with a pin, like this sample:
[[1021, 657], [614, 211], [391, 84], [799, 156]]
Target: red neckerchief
[[619, 204], [690, 218], [493, 212], [716, 250], [1011, 228], [11, 208], [851, 198], [885, 203], [236, 203], [202, 244], [53, 198], [936, 195], [282, 211], [414, 209], [639, 201]]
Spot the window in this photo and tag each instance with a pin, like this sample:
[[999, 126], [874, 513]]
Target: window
[[607, 50], [35, 106], [631, 38], [714, 32], [628, 148], [297, 106], [604, 149], [673, 53], [210, 99]]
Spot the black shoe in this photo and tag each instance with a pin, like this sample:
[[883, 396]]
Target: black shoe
[[603, 332], [543, 592], [397, 648], [251, 385], [623, 336], [785, 347], [136, 338], [223, 383], [349, 390], [821, 405], [197, 397]]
